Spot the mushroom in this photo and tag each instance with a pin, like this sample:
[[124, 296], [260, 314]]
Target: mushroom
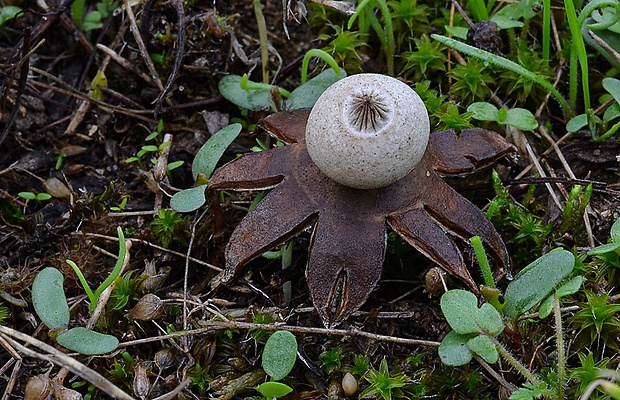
[[367, 131], [349, 225]]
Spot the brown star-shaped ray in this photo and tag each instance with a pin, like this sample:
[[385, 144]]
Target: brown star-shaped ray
[[348, 241]]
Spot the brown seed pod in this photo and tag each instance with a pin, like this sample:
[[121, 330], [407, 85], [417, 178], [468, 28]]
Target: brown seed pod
[[141, 383], [434, 280], [62, 393], [149, 307], [164, 359], [38, 388], [349, 384]]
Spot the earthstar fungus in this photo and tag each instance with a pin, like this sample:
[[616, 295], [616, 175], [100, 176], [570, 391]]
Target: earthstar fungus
[[349, 225]]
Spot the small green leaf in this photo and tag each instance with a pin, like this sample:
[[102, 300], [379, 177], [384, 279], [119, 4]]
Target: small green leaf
[[273, 390], [529, 391], [453, 349], [279, 354], [87, 342], [521, 119], [189, 199], [43, 196], [614, 233], [175, 164], [460, 308], [612, 85], [577, 122], [604, 249], [213, 149], [484, 347], [536, 281], [612, 112], [570, 287], [501, 115], [506, 23], [230, 88], [457, 31], [307, 94], [484, 111], [48, 298], [489, 319], [27, 195], [8, 13]]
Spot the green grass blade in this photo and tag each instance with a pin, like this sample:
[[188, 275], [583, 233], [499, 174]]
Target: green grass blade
[[546, 40], [579, 48], [87, 289], [122, 250]]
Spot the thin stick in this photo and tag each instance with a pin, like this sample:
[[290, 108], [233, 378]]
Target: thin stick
[[211, 326], [262, 36], [141, 46], [153, 245]]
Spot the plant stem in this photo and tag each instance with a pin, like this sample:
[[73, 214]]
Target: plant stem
[[559, 334], [610, 132], [87, 289], [318, 53], [546, 38], [386, 36], [122, 250], [578, 48], [483, 261], [247, 84], [516, 364], [479, 10], [262, 36], [389, 45]]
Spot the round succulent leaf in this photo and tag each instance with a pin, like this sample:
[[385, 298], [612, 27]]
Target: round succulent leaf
[[460, 308], [568, 288], [571, 287], [484, 347], [273, 390], [604, 249], [453, 349], [210, 153], [8, 12], [612, 85], [545, 307], [307, 94], [230, 88], [614, 233], [484, 111], [489, 319], [504, 22], [536, 281], [521, 119], [612, 112], [189, 199], [48, 298], [87, 342], [279, 354], [577, 122]]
